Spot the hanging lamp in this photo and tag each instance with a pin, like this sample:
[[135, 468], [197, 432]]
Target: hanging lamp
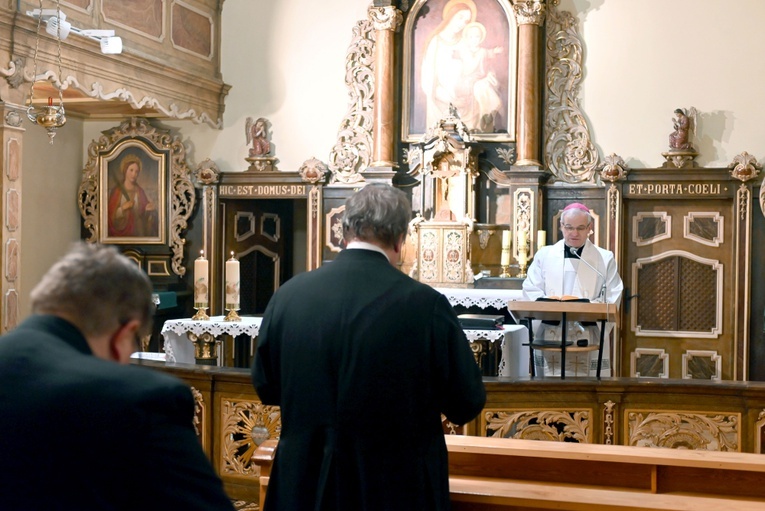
[[49, 117]]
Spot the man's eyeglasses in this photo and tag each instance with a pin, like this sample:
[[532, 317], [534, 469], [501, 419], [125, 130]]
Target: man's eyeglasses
[[580, 228]]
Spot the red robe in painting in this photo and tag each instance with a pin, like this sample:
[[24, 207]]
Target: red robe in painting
[[134, 222]]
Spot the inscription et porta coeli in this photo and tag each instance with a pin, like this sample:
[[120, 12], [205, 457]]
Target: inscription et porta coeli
[[693, 189]]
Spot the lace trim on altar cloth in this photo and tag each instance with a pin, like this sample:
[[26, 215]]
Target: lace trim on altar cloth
[[215, 326], [483, 298]]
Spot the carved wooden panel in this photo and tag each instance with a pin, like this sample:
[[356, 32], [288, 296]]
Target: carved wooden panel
[[241, 426], [649, 363], [702, 365], [650, 227], [560, 425], [710, 431], [707, 228]]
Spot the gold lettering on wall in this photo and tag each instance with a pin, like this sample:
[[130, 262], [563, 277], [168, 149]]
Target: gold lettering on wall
[[262, 190], [657, 189]]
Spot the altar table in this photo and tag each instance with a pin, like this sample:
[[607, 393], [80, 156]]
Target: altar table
[[179, 333], [179, 347]]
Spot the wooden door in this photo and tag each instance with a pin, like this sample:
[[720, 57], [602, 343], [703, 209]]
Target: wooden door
[[260, 233], [678, 319]]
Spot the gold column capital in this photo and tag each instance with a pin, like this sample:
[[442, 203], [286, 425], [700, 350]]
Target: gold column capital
[[385, 18], [529, 12]]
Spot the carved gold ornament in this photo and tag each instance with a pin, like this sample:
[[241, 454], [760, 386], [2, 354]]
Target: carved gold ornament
[[550, 425], [569, 152], [243, 424], [352, 151], [179, 192]]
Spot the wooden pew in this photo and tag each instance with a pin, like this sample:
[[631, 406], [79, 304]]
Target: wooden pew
[[492, 474], [496, 473], [264, 458]]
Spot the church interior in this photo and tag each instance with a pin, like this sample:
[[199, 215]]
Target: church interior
[[246, 137]]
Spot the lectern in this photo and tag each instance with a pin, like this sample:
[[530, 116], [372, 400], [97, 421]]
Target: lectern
[[563, 311]]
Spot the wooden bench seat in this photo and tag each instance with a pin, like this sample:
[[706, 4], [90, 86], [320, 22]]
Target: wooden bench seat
[[484, 493], [494, 473]]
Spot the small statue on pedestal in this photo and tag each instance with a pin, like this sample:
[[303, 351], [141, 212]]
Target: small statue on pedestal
[[257, 135], [681, 152]]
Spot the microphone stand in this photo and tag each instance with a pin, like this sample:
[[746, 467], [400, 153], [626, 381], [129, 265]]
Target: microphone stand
[[573, 252]]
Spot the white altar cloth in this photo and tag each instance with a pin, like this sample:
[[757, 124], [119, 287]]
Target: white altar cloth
[[483, 298], [178, 347]]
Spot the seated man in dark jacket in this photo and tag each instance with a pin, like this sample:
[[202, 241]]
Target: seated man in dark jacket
[[79, 428]]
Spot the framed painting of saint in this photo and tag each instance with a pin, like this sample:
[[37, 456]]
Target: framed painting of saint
[[132, 183], [461, 54]]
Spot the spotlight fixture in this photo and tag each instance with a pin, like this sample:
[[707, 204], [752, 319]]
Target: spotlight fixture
[[57, 26]]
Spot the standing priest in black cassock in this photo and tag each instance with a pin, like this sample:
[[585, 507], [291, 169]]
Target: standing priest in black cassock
[[363, 360]]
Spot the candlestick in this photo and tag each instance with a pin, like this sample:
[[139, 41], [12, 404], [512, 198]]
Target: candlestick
[[232, 289], [201, 287], [541, 239]]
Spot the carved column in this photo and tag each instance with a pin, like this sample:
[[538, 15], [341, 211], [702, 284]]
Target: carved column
[[386, 20], [206, 177], [11, 134], [530, 17]]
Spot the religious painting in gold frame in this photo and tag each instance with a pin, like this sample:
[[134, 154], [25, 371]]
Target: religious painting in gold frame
[[163, 176], [463, 53], [133, 177]]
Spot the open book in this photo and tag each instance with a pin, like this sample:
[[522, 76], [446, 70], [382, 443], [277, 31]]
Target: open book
[[564, 298]]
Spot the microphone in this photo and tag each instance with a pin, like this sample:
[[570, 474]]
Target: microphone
[[574, 253]]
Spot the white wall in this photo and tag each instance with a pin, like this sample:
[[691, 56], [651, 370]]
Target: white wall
[[49, 211], [285, 60], [644, 59]]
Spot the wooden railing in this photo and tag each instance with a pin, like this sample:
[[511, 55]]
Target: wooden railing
[[702, 415]]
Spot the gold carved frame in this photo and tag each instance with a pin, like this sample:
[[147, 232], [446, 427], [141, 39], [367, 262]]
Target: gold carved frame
[[498, 48], [163, 158]]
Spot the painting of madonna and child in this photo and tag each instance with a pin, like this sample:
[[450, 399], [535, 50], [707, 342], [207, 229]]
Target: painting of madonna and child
[[133, 184], [461, 53]]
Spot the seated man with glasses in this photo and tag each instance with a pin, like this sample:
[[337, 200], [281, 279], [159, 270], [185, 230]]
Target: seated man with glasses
[[81, 428], [573, 267]]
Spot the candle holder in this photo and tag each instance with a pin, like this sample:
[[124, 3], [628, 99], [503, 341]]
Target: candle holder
[[232, 315], [205, 348], [505, 273], [201, 314], [522, 265]]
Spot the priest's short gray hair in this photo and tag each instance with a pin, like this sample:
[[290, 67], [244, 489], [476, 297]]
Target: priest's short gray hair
[[96, 288], [377, 212]]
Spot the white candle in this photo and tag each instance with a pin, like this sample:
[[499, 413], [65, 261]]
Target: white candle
[[541, 239], [505, 259], [521, 240], [232, 283], [505, 239], [201, 281]]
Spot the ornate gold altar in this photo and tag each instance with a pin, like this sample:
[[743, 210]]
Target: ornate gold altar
[[445, 164]]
